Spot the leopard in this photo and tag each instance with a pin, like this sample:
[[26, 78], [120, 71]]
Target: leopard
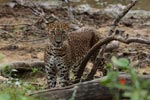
[[65, 50]]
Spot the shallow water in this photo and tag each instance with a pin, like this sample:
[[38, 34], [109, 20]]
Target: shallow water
[[142, 4]]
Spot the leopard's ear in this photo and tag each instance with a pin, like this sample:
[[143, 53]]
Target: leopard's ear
[[59, 25], [51, 26], [65, 26]]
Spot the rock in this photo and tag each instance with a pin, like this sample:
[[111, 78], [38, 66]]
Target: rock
[[75, 0], [114, 10], [138, 14], [2, 79], [11, 4], [50, 4], [85, 8]]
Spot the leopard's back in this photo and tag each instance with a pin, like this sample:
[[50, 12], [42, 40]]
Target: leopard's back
[[81, 41]]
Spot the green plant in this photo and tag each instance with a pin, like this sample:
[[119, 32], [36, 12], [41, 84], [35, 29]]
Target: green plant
[[12, 92], [35, 70], [9, 72], [138, 90], [15, 89]]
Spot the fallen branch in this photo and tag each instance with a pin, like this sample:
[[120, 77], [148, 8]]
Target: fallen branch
[[12, 25], [35, 40], [23, 65], [89, 90]]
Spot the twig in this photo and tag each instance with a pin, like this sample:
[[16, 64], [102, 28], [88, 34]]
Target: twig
[[125, 11], [98, 62], [35, 84], [36, 30], [132, 40], [38, 11], [15, 25], [40, 39], [55, 17], [70, 14], [72, 19]]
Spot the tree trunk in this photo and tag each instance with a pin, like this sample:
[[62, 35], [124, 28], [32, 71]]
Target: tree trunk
[[90, 90]]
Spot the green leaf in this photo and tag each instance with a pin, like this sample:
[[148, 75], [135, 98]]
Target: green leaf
[[127, 94], [135, 95], [111, 78], [144, 93], [22, 97], [109, 66], [114, 59], [123, 63], [105, 80], [5, 97]]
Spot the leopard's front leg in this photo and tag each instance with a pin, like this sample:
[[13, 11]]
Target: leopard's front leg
[[50, 70], [63, 72]]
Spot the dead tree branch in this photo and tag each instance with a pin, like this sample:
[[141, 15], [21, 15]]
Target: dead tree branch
[[23, 65], [125, 11], [99, 61], [100, 56], [106, 41], [89, 90]]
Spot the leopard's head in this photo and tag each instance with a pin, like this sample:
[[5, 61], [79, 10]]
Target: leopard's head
[[58, 33]]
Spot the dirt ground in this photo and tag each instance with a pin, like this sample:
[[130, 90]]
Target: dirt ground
[[18, 45]]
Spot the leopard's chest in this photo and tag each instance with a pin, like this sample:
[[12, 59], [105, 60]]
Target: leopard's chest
[[56, 61]]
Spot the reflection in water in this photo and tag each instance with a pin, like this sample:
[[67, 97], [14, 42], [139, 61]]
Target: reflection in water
[[142, 4]]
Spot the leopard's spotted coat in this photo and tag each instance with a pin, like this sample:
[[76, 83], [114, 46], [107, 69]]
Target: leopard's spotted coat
[[65, 50]]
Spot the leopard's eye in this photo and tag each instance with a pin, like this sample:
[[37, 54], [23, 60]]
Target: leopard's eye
[[64, 35], [52, 32], [63, 32]]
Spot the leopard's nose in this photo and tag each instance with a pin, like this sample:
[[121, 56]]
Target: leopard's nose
[[58, 41]]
